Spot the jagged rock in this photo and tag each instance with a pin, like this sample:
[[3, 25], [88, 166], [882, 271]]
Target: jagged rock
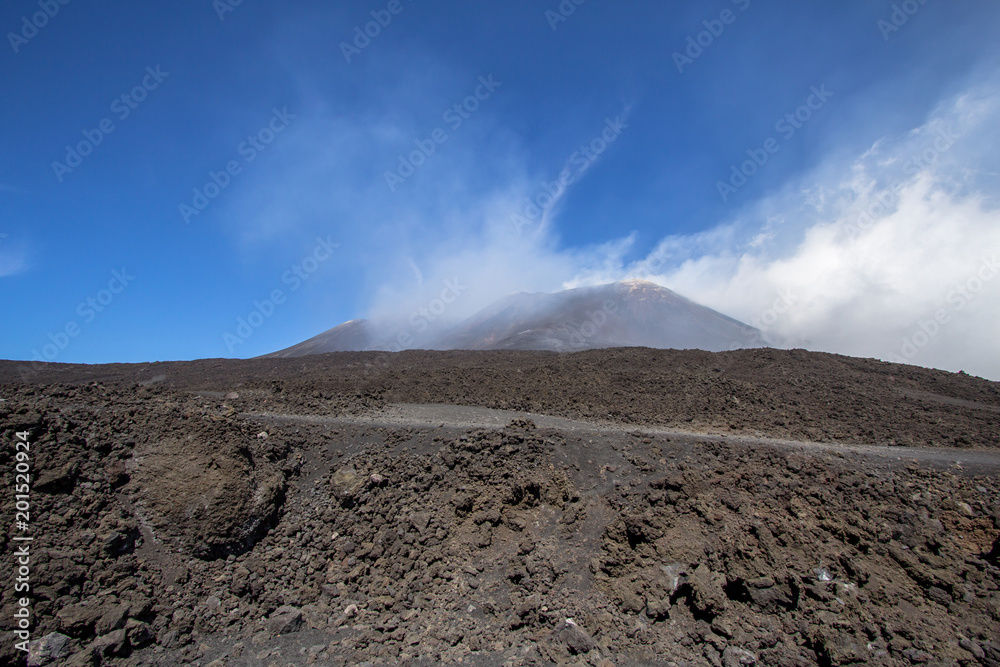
[[991, 654], [169, 639], [770, 595], [708, 591], [209, 492], [576, 640], [737, 657], [345, 483], [916, 656], [420, 520], [994, 555], [78, 620], [57, 480], [112, 618], [87, 657], [658, 609], [285, 620], [939, 595], [50, 649], [838, 646], [973, 648], [139, 633], [723, 628], [111, 644]]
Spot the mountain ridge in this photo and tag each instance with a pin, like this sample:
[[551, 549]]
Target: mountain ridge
[[632, 313]]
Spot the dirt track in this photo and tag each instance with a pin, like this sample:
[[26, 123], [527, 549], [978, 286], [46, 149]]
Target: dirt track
[[976, 461], [264, 514], [774, 393]]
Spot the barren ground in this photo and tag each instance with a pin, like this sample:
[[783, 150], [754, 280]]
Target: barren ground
[[608, 507]]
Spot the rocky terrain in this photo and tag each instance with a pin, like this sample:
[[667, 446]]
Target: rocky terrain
[[634, 506]]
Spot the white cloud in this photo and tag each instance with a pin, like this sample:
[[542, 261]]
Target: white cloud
[[453, 219], [851, 258], [13, 258], [859, 259]]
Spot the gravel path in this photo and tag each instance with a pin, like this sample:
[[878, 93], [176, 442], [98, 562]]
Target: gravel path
[[977, 461]]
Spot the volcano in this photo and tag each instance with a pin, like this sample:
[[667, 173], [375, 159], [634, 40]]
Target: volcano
[[633, 313], [351, 336]]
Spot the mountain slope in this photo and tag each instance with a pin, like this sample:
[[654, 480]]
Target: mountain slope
[[625, 314], [352, 336]]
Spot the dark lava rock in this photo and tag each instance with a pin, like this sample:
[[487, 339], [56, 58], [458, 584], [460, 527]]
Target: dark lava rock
[[78, 620], [285, 620], [207, 492], [737, 657], [50, 649], [575, 639]]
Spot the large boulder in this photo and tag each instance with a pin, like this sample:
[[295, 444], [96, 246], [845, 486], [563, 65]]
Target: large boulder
[[210, 493]]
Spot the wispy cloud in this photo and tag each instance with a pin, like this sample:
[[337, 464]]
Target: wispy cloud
[[450, 219], [868, 253], [849, 258], [12, 256]]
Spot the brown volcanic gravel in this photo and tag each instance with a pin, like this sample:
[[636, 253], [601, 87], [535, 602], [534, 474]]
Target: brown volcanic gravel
[[780, 393], [172, 526]]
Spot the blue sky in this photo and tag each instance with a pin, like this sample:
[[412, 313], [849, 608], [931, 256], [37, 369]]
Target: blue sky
[[271, 158]]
